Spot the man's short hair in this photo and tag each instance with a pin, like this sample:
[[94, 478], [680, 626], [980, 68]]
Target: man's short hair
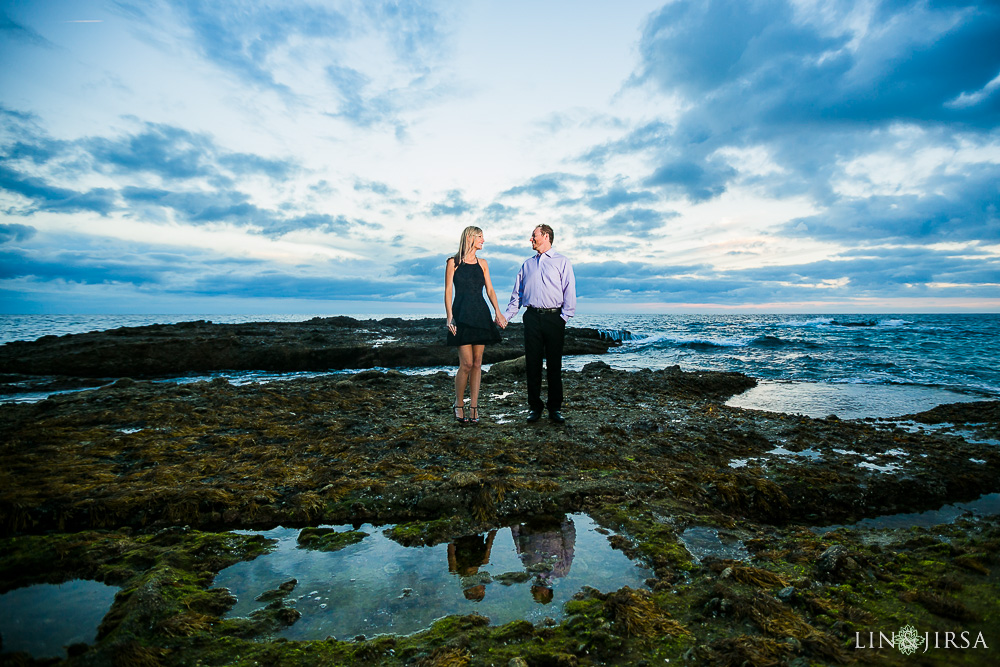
[[548, 232]]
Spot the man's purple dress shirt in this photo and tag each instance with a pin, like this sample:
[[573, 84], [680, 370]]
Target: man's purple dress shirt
[[544, 281]]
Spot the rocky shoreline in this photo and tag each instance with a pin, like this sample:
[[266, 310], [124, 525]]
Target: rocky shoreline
[[138, 484], [319, 344]]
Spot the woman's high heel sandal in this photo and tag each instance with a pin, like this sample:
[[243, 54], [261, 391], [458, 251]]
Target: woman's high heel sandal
[[460, 414], [474, 414]]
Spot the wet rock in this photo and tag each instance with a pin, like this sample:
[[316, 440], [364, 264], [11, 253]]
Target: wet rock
[[277, 595], [465, 480], [273, 618], [319, 344], [959, 413], [837, 563], [831, 558], [510, 578], [595, 367], [328, 539], [477, 579], [511, 368]]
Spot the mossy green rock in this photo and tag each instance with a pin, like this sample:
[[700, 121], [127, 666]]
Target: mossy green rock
[[328, 539]]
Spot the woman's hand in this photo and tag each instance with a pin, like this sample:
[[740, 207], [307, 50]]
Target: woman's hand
[[501, 321], [451, 327]]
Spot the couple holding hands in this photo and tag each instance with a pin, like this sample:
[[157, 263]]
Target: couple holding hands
[[545, 286]]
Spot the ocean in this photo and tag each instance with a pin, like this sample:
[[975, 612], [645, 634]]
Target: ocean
[[852, 366]]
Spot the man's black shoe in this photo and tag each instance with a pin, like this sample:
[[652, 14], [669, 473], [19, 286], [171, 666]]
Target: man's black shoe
[[557, 417], [534, 415]]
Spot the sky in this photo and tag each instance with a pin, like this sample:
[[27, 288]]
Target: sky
[[809, 156]]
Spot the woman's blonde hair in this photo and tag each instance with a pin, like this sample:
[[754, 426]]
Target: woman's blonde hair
[[465, 243]]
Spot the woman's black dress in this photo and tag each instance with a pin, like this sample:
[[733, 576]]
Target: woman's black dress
[[473, 321]]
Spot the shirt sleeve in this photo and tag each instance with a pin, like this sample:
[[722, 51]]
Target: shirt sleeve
[[569, 292], [516, 295]]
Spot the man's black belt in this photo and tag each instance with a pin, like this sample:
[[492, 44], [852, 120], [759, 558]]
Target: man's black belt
[[545, 310]]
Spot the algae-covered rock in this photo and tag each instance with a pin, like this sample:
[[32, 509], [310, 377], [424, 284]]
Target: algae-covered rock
[[279, 593], [425, 533], [328, 539], [103, 485]]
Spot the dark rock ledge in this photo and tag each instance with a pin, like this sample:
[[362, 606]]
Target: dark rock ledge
[[319, 344]]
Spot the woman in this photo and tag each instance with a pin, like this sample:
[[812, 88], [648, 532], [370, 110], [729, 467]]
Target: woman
[[470, 327]]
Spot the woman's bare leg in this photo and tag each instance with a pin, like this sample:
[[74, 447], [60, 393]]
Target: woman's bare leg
[[465, 361], [475, 375]]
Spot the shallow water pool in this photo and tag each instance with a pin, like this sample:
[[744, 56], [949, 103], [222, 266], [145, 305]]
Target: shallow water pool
[[43, 619], [985, 505], [847, 401], [526, 571]]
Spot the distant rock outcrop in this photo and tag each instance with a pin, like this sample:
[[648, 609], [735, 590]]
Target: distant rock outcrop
[[319, 344]]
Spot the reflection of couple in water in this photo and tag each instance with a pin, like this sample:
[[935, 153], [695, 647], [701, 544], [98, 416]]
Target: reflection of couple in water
[[545, 547], [466, 555]]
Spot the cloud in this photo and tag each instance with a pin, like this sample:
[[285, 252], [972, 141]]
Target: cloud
[[651, 135], [379, 58], [377, 187], [637, 220], [617, 196], [413, 29], [273, 283], [358, 106], [82, 266], [815, 86], [542, 185], [379, 196], [11, 29], [248, 164], [169, 152], [46, 197], [173, 153], [964, 207], [165, 151], [426, 266], [886, 271], [15, 232], [615, 269], [497, 212], [243, 38], [182, 161], [316, 221], [22, 138], [455, 205], [200, 207], [197, 206], [775, 63], [692, 179]]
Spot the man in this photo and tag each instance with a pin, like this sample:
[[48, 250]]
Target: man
[[545, 285]]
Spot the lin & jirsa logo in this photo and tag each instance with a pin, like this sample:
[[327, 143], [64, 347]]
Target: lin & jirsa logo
[[909, 640]]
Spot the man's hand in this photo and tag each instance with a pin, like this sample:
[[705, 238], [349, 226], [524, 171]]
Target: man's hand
[[501, 321]]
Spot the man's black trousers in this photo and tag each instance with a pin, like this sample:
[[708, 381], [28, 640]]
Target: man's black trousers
[[544, 334]]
